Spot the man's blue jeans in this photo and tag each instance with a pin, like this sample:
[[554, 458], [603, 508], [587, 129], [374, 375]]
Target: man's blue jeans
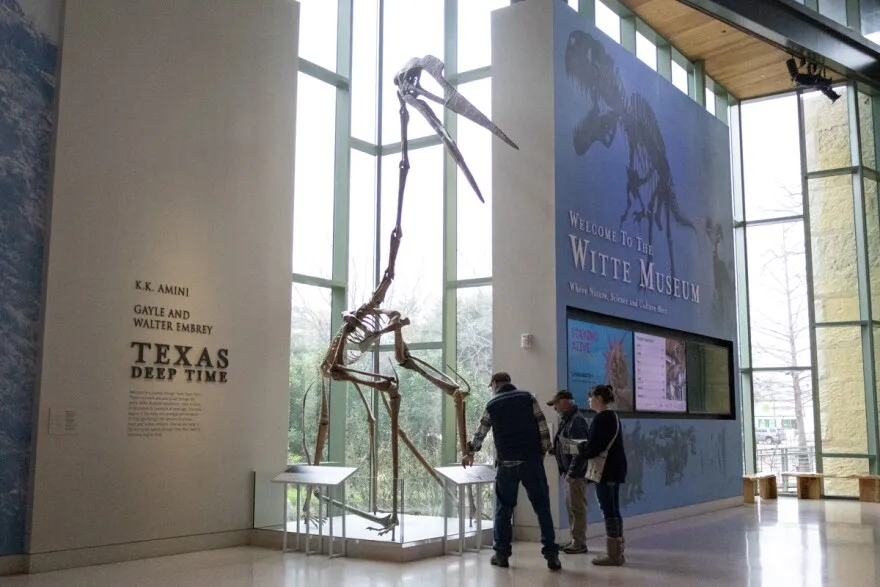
[[531, 474]]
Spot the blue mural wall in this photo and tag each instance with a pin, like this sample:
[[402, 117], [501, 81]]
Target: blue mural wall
[[644, 215], [644, 232], [28, 55]]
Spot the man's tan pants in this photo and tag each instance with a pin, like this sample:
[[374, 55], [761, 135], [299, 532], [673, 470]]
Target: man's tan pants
[[576, 504]]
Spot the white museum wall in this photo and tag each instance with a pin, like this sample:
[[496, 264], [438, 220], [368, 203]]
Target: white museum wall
[[523, 212], [173, 167]]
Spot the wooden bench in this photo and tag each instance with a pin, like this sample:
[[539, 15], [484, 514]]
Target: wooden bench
[[766, 483], [809, 485], [869, 488]]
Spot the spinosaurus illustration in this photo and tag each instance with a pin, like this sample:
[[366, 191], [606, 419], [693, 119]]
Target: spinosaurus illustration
[[722, 269], [592, 71], [363, 327]]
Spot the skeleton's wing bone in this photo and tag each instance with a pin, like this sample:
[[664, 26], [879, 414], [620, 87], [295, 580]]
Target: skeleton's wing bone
[[444, 135], [379, 382], [454, 100], [437, 377], [303, 425], [351, 509], [460, 378]]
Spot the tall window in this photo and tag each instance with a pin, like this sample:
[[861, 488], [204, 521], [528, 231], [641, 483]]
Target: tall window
[[870, 13], [345, 204], [862, 16], [646, 51], [812, 238]]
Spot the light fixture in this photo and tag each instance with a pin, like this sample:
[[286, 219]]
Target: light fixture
[[813, 77]]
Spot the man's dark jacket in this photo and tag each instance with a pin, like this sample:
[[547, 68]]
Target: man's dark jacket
[[514, 427], [573, 426]]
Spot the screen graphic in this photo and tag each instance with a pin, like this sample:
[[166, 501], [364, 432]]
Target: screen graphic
[[600, 355], [661, 374]]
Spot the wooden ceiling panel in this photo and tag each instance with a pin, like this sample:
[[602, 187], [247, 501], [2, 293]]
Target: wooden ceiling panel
[[748, 67]]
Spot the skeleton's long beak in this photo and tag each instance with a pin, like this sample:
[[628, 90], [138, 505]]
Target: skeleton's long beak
[[455, 101]]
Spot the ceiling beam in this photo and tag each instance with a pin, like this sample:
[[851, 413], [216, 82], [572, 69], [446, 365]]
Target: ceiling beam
[[793, 27]]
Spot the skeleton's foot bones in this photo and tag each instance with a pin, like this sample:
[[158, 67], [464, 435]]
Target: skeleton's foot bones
[[310, 518], [389, 523]]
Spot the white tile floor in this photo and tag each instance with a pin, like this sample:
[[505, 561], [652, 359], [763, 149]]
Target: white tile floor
[[784, 544]]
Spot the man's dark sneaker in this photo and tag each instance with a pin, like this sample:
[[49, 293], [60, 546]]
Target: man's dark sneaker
[[499, 560], [553, 562]]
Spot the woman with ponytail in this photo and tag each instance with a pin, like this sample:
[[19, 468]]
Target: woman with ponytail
[[607, 470]]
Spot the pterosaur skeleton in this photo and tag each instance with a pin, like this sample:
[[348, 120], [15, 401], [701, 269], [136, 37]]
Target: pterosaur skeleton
[[362, 328]]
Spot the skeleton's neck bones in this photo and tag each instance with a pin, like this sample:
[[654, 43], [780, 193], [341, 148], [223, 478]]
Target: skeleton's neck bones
[[617, 269]]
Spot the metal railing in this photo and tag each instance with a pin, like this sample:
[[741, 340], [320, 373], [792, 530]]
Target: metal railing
[[785, 459]]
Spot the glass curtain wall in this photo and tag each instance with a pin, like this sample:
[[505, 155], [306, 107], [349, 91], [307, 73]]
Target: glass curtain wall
[[809, 253], [862, 16], [347, 174], [346, 181]]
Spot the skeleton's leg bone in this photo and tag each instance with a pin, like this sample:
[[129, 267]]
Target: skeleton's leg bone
[[387, 384], [371, 422], [395, 462], [441, 380], [461, 424], [395, 446], [417, 453], [323, 425], [458, 399]]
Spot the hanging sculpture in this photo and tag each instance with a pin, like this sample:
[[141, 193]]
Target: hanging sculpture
[[362, 328]]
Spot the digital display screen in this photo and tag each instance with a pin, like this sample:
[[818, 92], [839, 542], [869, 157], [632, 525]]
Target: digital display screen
[[660, 374], [600, 355]]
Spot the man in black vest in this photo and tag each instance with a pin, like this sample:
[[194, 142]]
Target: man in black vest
[[521, 441], [573, 429]]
